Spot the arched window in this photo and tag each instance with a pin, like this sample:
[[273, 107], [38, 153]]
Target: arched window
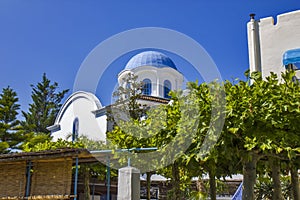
[[167, 88], [147, 87], [75, 129]]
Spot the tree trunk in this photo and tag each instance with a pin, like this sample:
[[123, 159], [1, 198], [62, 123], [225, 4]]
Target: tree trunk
[[176, 181], [212, 185], [201, 188], [148, 185], [86, 181], [249, 173], [295, 182], [277, 192]]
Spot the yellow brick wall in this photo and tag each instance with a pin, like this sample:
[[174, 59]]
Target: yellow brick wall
[[12, 179], [51, 177]]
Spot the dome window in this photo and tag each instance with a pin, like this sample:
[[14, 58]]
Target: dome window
[[167, 88], [147, 87]]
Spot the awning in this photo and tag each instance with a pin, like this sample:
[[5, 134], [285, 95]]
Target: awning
[[291, 56]]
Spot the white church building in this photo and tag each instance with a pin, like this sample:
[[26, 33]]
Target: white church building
[[83, 114], [272, 47]]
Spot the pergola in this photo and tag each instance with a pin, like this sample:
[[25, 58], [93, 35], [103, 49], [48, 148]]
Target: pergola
[[45, 174]]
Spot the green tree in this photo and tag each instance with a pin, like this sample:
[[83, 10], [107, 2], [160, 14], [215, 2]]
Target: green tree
[[164, 127], [144, 126], [285, 126], [127, 98], [217, 161], [262, 121], [42, 111], [244, 125], [10, 137], [262, 118], [128, 116]]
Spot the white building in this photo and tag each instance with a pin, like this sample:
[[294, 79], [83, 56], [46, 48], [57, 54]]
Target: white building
[[274, 46], [83, 113]]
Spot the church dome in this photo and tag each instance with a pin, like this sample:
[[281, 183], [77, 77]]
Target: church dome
[[150, 58]]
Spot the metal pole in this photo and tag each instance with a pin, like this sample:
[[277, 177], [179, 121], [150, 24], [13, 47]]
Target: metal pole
[[93, 194], [76, 179], [28, 178], [128, 162], [108, 177]]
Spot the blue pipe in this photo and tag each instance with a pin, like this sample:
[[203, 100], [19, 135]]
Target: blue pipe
[[28, 179], [108, 178], [93, 192], [125, 150]]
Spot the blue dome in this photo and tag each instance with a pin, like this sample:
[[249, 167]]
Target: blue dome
[[150, 58]]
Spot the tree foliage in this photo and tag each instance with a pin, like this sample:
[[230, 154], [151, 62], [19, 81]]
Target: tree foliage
[[46, 102], [127, 99], [52, 145], [262, 123], [10, 137], [260, 137]]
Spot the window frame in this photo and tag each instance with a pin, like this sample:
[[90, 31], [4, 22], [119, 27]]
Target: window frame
[[167, 88], [147, 87]]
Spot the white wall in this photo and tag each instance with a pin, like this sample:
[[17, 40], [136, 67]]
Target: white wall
[[80, 105], [274, 40]]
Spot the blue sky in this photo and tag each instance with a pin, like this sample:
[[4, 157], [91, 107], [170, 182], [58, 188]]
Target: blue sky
[[55, 36]]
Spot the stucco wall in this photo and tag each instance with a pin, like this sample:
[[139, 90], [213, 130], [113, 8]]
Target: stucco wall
[[80, 105], [274, 40]]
